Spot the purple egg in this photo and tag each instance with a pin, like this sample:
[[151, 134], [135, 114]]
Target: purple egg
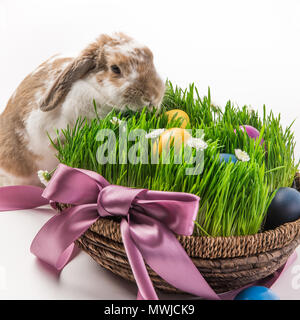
[[252, 132]]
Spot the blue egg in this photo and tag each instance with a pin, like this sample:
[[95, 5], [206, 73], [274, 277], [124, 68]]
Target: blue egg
[[227, 157], [256, 293]]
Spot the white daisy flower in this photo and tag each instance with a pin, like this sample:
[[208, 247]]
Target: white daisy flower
[[250, 109], [197, 143], [242, 155], [154, 134], [116, 120], [44, 176]]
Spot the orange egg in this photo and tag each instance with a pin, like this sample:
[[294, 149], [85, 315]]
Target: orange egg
[[177, 114], [171, 137]]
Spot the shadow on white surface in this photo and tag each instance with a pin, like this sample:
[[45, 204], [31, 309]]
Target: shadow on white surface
[[48, 270]]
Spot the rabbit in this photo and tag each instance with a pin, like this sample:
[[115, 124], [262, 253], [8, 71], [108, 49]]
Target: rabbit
[[115, 71]]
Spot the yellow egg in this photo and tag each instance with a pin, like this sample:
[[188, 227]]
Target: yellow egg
[[171, 137], [177, 114]]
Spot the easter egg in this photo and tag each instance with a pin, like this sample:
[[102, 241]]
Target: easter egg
[[172, 137], [227, 157], [285, 207], [256, 293], [177, 114], [252, 132]]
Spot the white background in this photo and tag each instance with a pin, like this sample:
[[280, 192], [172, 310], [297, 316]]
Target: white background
[[245, 51]]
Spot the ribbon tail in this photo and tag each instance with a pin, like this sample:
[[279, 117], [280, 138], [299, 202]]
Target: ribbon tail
[[21, 198], [139, 296], [54, 243], [165, 255], [143, 281]]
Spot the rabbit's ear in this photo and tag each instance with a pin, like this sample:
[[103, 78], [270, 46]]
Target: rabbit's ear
[[74, 71]]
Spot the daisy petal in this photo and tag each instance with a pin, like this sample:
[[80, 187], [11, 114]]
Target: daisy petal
[[197, 143], [242, 155], [154, 133]]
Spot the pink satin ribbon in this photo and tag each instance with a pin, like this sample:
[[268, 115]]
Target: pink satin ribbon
[[150, 220]]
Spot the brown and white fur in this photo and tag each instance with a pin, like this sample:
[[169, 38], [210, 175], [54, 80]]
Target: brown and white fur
[[62, 89]]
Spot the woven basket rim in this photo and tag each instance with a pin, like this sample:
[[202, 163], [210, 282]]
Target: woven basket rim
[[281, 228], [275, 231]]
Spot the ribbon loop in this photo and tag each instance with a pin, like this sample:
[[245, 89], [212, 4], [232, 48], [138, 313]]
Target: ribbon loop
[[177, 210], [55, 241]]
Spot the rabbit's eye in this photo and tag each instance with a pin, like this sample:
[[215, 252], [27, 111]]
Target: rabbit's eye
[[115, 69]]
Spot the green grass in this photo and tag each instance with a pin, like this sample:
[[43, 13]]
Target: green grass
[[234, 197]]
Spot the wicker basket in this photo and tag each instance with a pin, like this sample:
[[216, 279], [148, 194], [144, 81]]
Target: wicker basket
[[226, 263]]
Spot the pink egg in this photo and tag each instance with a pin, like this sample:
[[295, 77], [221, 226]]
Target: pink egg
[[252, 132]]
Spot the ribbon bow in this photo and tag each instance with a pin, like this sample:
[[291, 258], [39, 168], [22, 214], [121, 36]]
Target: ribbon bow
[[150, 220]]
